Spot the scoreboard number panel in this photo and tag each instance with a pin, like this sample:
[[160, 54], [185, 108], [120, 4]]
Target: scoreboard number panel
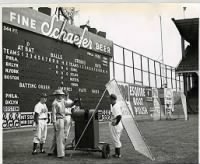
[[33, 63]]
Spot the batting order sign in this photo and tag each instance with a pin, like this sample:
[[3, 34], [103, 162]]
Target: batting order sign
[[128, 121]]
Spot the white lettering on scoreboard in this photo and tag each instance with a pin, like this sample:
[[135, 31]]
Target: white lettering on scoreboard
[[52, 27], [22, 20], [103, 48], [57, 33]]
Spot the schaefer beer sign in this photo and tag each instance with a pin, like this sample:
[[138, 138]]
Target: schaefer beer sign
[[37, 22]]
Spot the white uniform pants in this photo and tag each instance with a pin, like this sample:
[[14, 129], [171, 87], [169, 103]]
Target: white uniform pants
[[116, 134], [68, 122], [168, 113], [41, 132], [58, 139]]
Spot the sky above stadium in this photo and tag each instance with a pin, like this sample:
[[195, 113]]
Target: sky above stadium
[[136, 26]]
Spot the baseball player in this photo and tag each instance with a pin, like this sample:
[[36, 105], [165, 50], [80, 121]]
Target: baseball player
[[115, 125], [68, 121], [58, 115], [40, 119], [168, 112]]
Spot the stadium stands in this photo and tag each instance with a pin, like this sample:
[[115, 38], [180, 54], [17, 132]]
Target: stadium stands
[[189, 66]]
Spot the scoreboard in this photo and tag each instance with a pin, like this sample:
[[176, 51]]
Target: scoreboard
[[34, 63]]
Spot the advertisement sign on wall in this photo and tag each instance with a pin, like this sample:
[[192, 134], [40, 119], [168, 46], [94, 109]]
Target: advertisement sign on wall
[[169, 105], [21, 119], [11, 120], [156, 103], [141, 99]]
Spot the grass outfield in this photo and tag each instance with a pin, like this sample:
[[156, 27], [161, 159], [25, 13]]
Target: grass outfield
[[170, 142]]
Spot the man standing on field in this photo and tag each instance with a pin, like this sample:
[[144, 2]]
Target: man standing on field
[[68, 113], [116, 124], [40, 118]]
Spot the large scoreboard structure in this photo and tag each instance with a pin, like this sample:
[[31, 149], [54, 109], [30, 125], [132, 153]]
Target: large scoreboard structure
[[42, 53]]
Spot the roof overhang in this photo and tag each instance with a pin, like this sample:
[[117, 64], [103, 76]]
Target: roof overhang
[[183, 72], [188, 29]]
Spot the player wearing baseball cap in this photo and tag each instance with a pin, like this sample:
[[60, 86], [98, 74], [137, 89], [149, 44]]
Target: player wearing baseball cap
[[58, 114], [115, 125], [40, 118]]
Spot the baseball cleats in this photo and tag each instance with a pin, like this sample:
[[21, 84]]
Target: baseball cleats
[[116, 156], [42, 151], [34, 152]]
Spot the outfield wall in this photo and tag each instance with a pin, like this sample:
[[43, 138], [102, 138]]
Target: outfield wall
[[152, 103], [42, 53]]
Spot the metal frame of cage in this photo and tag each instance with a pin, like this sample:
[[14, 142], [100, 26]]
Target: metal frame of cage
[[152, 74]]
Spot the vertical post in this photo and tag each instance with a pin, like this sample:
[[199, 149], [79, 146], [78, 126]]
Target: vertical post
[[113, 69], [149, 72], [124, 66], [179, 82], [161, 38], [171, 78], [160, 107], [155, 73], [161, 75], [161, 78], [141, 69], [185, 83], [189, 82], [114, 63], [166, 75], [175, 81], [133, 68]]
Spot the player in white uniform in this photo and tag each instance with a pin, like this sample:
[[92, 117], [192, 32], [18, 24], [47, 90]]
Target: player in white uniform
[[168, 112], [68, 113], [116, 125], [40, 118]]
